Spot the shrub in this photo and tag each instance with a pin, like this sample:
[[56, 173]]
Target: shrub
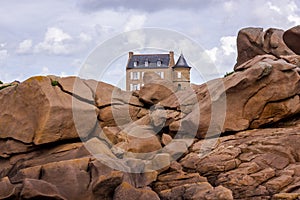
[[54, 83], [5, 86], [228, 73], [1, 82]]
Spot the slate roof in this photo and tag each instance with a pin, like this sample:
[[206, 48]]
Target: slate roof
[[151, 58], [181, 63]]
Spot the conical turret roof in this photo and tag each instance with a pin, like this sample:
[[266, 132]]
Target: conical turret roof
[[181, 62]]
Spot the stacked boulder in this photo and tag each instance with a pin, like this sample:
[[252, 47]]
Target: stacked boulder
[[70, 138]]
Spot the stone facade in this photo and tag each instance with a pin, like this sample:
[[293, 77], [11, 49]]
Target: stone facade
[[162, 64]]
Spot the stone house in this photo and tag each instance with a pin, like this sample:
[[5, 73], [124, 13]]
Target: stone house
[[162, 64]]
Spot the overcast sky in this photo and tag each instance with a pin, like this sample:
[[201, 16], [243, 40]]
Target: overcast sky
[[55, 37]]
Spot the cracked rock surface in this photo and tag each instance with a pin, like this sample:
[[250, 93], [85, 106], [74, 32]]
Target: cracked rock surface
[[231, 138]]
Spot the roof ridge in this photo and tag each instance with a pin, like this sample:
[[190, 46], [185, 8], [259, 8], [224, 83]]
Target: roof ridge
[[150, 54]]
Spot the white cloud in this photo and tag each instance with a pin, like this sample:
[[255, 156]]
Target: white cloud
[[55, 42], [273, 7], [3, 54], [229, 6], [135, 22], [45, 71], [294, 19], [54, 34], [24, 46], [292, 13], [228, 44], [71, 29], [212, 53], [292, 6], [224, 55], [85, 37]]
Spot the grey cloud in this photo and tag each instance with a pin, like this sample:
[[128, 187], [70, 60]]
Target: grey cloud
[[146, 6]]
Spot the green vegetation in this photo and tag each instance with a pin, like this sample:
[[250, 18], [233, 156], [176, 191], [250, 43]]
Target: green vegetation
[[1, 82], [5, 86], [54, 83], [228, 73]]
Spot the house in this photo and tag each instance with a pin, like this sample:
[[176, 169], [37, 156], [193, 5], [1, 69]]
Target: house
[[163, 64]]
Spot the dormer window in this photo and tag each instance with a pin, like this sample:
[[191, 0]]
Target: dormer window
[[146, 63], [158, 63], [135, 63]]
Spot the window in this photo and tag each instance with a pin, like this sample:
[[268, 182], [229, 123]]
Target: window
[[134, 87], [158, 63], [179, 87], [146, 63], [161, 74], [134, 75], [178, 74], [135, 63]]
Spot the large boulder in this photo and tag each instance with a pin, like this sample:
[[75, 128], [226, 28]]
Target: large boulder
[[155, 89], [38, 189], [291, 38], [255, 41], [7, 190], [127, 192], [263, 91], [140, 140], [118, 114], [38, 111]]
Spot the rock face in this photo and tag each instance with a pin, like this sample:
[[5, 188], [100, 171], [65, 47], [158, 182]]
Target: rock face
[[70, 138], [155, 89], [255, 41], [36, 112], [251, 163], [291, 38], [250, 96]]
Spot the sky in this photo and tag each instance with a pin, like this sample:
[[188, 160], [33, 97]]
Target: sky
[[57, 37]]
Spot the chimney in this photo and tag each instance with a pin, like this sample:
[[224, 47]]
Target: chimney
[[172, 61], [130, 54]]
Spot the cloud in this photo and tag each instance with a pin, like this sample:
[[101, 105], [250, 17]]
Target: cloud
[[85, 37], [224, 55], [212, 53], [293, 13], [45, 71], [24, 46], [294, 19], [75, 27], [3, 54], [55, 42], [273, 7], [228, 44], [281, 14], [147, 6], [135, 22]]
